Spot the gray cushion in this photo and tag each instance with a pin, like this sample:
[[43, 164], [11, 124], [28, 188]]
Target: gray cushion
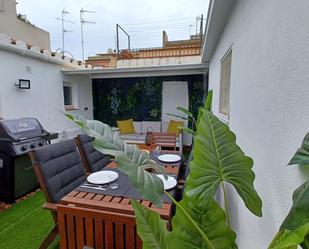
[[61, 167], [96, 160], [135, 136]]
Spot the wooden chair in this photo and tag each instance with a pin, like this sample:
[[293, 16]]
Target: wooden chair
[[183, 177], [97, 229], [93, 160], [164, 139], [59, 170]]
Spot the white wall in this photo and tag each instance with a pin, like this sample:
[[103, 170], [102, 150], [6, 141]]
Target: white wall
[[45, 98], [268, 104], [84, 95], [175, 94]]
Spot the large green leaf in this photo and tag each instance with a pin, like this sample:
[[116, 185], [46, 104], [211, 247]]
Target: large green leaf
[[295, 228], [208, 102], [185, 111], [176, 116], [290, 239], [130, 159], [207, 105], [147, 184], [301, 156], [151, 229], [209, 217], [299, 212], [187, 130], [217, 159]]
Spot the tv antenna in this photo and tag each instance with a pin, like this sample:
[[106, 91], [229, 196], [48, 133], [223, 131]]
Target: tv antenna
[[82, 23], [63, 20], [190, 26], [199, 24]]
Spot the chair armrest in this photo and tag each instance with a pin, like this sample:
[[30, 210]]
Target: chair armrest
[[180, 142], [181, 182], [50, 206], [111, 165]]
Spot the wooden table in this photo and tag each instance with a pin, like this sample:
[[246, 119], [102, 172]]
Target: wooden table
[[115, 203], [113, 215]]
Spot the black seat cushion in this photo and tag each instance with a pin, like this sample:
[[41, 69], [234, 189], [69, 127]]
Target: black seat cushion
[[187, 170], [96, 159], [61, 167]]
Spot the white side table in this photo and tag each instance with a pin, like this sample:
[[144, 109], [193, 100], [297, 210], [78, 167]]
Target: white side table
[[116, 130]]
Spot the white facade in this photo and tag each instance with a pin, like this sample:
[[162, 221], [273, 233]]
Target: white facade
[[175, 94], [44, 100], [268, 104], [18, 29]]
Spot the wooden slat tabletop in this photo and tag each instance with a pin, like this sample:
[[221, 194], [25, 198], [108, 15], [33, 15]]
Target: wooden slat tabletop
[[111, 203], [115, 203]]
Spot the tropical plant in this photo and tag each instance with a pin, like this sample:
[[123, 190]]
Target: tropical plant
[[131, 160], [294, 230], [24, 18], [187, 115], [199, 221]]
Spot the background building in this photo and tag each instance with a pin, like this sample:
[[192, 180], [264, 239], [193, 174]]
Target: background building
[[171, 53]]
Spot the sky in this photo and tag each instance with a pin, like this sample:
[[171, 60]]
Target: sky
[[144, 20]]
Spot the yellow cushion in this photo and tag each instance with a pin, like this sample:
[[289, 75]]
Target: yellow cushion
[[126, 126], [173, 127]]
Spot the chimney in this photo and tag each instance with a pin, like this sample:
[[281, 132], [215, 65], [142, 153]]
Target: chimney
[[165, 38]]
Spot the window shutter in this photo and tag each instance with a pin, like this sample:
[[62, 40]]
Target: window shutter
[[225, 79]]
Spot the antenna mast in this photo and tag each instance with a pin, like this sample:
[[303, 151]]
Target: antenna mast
[[201, 27], [82, 22], [63, 13]]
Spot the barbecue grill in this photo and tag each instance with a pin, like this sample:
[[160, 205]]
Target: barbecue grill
[[17, 138]]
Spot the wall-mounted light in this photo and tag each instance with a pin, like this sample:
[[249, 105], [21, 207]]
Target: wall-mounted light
[[23, 84]]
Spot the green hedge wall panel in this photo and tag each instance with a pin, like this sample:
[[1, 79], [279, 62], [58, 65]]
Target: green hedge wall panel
[[138, 98]]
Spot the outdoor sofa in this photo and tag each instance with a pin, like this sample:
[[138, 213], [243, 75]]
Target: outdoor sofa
[[141, 130]]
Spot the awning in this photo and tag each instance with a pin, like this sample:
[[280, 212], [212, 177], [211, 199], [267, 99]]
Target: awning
[[171, 70]]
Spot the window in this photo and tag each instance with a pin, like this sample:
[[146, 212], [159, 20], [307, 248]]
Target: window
[[67, 93], [70, 96], [2, 5], [225, 79]]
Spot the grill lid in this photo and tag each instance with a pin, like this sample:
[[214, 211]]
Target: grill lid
[[19, 129]]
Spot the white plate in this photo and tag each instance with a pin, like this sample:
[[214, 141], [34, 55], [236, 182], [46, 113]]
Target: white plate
[[169, 183], [102, 177], [169, 158]]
